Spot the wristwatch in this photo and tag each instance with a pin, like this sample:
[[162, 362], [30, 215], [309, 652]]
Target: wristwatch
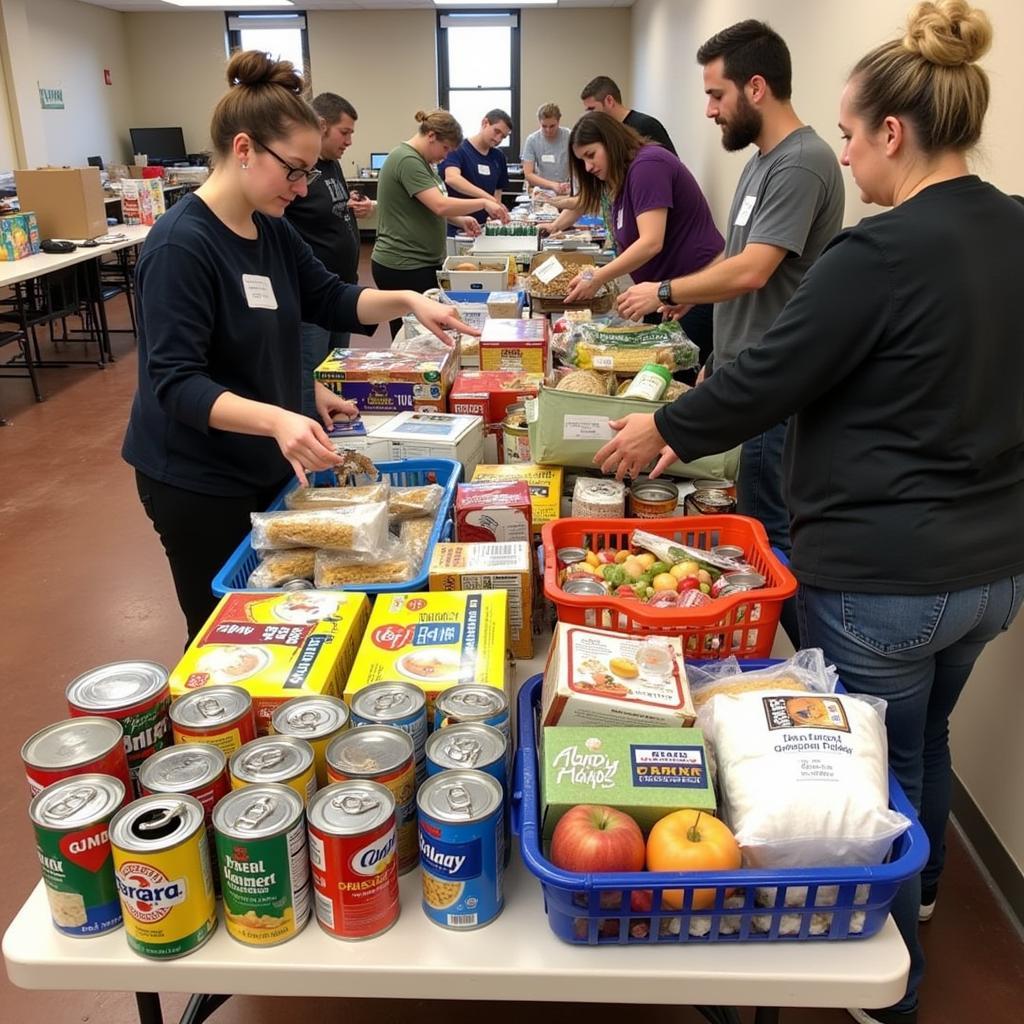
[[665, 293]]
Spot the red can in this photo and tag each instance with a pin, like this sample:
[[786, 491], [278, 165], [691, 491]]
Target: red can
[[221, 715], [352, 849], [78, 746]]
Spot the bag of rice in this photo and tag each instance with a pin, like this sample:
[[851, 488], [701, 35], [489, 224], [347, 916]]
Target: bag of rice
[[804, 778]]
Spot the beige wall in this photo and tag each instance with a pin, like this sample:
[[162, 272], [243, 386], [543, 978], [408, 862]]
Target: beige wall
[[563, 50], [826, 39]]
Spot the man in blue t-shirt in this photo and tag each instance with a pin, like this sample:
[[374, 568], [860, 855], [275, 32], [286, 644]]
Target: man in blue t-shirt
[[477, 168]]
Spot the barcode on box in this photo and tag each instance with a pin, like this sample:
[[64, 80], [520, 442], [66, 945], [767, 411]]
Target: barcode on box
[[462, 920]]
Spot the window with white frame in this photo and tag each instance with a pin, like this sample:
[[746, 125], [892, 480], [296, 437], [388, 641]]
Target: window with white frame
[[283, 36]]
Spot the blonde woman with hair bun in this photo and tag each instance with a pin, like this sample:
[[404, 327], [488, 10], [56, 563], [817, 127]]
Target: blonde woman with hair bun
[[899, 359]]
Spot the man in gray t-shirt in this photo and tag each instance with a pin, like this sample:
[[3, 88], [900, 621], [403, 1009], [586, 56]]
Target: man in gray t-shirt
[[545, 153], [788, 205]]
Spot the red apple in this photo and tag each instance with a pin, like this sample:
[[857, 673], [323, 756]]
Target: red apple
[[595, 838]]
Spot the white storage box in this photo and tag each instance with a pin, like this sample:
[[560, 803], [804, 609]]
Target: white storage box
[[428, 435], [492, 273]]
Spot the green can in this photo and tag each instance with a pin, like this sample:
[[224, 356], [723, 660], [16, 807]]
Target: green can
[[263, 862], [72, 824]]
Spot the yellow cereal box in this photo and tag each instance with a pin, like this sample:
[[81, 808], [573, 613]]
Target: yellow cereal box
[[545, 483], [434, 641], [507, 567], [276, 646]]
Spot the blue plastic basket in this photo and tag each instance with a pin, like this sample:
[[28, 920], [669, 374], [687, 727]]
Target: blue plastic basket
[[598, 909], [410, 473]]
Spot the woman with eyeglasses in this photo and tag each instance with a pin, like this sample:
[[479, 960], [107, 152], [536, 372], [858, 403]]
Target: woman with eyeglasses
[[224, 283]]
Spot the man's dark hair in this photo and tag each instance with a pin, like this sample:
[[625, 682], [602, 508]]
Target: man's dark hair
[[330, 106], [751, 48], [598, 88], [496, 115]]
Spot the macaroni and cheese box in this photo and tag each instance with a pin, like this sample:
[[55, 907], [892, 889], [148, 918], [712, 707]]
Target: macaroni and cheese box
[[389, 381], [594, 677], [520, 345], [647, 773], [276, 646], [507, 567], [545, 483], [434, 641], [19, 235]]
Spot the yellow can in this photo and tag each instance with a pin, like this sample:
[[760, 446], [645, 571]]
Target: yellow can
[[162, 872], [315, 718], [282, 759]]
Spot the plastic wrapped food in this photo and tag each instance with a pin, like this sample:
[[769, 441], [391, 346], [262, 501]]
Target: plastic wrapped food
[[336, 497], [584, 382], [805, 672], [334, 569], [362, 530], [414, 502], [414, 535], [625, 347], [277, 567]]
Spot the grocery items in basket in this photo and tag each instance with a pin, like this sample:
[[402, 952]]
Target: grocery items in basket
[[596, 677], [337, 569], [499, 511], [388, 381], [337, 497], [414, 502], [434, 641], [625, 347], [493, 566], [545, 483], [595, 837], [805, 672], [646, 773], [276, 646], [361, 531]]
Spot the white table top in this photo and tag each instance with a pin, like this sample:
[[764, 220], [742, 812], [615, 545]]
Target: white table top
[[48, 263]]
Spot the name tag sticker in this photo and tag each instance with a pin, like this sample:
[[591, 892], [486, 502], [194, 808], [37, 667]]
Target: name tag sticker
[[259, 292], [746, 209], [483, 169], [547, 158], [618, 221]]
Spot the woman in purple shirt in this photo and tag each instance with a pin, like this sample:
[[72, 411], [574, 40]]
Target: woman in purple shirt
[[659, 216]]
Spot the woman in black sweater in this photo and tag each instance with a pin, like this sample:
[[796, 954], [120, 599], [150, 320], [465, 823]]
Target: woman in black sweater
[[900, 357]]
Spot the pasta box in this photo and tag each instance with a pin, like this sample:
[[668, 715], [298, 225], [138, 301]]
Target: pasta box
[[19, 235], [515, 344], [434, 641], [389, 382], [498, 512], [595, 677], [493, 566], [647, 773], [545, 483], [276, 645]]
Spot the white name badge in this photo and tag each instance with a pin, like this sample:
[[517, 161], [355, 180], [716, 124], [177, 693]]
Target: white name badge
[[618, 222], [483, 169], [547, 158], [746, 209], [259, 292]]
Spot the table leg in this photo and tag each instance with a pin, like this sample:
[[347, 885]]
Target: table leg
[[766, 1015], [101, 313], [200, 1007], [149, 1008]]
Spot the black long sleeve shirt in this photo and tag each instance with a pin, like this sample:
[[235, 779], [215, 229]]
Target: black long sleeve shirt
[[901, 355]]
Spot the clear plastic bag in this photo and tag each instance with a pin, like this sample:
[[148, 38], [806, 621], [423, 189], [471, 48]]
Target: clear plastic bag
[[277, 567], [414, 502], [338, 569], [362, 530], [336, 497], [624, 347], [414, 535], [805, 672]]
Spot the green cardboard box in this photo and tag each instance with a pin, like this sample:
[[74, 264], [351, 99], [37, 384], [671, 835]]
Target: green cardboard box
[[647, 773]]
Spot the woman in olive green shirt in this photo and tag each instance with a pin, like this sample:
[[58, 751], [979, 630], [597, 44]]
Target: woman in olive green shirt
[[413, 205]]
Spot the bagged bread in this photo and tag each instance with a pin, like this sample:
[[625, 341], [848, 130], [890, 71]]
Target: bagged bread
[[362, 530], [277, 567], [804, 777]]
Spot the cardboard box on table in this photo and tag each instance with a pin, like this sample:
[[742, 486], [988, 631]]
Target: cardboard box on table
[[67, 201]]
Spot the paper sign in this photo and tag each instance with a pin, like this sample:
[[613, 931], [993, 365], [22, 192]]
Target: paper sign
[[746, 209], [548, 270], [259, 292], [586, 428]]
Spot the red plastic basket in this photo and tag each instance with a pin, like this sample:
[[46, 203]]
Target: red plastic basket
[[741, 624]]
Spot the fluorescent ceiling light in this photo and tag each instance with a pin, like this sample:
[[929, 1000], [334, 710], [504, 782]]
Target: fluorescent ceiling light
[[495, 3], [221, 4]]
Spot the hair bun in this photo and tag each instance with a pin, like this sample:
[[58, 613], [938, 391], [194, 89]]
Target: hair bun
[[420, 116], [254, 68], [948, 32]]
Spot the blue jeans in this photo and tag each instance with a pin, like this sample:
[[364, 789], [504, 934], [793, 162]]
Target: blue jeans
[[759, 494], [916, 652], [317, 341]]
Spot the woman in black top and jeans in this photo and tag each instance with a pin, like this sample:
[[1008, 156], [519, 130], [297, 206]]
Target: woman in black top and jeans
[[223, 285]]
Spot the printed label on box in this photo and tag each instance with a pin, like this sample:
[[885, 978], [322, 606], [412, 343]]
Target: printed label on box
[[586, 428], [668, 767]]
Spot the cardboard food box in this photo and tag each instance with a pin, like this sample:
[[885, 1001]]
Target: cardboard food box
[[520, 345], [505, 305], [67, 201], [489, 273], [499, 512], [276, 645], [489, 393], [19, 235], [432, 435], [435, 641], [389, 382], [142, 200], [647, 773], [594, 677], [507, 567], [545, 483]]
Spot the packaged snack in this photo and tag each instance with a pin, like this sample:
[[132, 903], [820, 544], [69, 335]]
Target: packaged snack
[[277, 567], [362, 529], [389, 382], [336, 497]]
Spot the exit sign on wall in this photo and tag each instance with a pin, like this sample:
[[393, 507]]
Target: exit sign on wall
[[51, 98]]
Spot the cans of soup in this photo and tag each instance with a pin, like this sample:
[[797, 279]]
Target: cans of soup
[[283, 759], [315, 718], [222, 715], [77, 746], [400, 705]]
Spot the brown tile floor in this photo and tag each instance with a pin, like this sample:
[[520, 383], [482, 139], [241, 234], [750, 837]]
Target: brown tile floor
[[84, 582]]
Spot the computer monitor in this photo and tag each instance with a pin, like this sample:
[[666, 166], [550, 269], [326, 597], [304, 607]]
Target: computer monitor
[[377, 161], [161, 145]]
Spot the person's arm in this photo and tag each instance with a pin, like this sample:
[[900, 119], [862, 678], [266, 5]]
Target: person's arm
[[650, 241], [444, 206], [534, 179], [454, 178], [562, 222]]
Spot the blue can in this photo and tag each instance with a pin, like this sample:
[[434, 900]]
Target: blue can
[[462, 839], [400, 705], [473, 702], [472, 745]]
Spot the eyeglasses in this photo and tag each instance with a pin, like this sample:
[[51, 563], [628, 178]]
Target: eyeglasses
[[294, 173]]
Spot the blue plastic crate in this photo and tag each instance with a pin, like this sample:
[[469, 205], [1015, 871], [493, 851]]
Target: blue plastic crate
[[409, 473], [587, 909]]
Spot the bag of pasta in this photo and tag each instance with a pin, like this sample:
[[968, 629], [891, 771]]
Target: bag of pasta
[[361, 531], [277, 567], [414, 502], [337, 497], [805, 672], [339, 569]]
